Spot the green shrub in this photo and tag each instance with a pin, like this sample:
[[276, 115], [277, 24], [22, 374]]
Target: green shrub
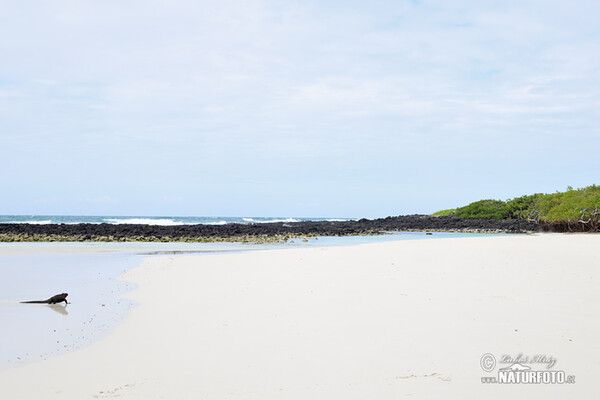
[[496, 209], [523, 207], [441, 213], [573, 205]]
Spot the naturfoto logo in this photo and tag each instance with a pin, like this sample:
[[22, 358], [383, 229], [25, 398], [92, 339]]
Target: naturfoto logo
[[518, 372]]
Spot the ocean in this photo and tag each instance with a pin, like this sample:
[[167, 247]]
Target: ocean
[[150, 220]]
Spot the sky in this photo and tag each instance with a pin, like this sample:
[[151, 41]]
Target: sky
[[294, 108]]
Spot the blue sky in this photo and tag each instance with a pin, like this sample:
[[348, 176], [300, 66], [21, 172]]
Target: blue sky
[[294, 108]]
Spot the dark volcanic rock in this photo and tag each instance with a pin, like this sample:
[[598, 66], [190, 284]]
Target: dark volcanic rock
[[233, 231]]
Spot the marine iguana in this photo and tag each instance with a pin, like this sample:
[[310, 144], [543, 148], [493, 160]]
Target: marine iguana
[[59, 298]]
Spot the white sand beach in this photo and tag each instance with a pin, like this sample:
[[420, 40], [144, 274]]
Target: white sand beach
[[406, 319]]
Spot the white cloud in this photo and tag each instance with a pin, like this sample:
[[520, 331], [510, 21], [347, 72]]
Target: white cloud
[[104, 199], [153, 88]]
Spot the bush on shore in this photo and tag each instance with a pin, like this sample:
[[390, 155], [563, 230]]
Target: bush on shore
[[485, 209], [441, 213], [574, 206]]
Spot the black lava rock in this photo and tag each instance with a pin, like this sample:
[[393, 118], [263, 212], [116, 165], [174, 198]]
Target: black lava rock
[[449, 223]]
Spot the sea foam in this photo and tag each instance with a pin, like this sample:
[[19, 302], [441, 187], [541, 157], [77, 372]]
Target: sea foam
[[144, 221], [270, 221], [215, 223]]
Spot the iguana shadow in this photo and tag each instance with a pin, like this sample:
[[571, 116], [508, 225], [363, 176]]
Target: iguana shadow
[[59, 309]]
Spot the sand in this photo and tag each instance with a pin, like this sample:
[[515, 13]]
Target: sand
[[406, 319]]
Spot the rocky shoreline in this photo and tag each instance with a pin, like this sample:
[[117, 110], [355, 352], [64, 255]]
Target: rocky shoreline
[[256, 232]]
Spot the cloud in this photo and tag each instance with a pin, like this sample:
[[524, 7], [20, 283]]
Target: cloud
[[187, 91], [105, 199]]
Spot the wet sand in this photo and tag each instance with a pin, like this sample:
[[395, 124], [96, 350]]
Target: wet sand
[[405, 319]]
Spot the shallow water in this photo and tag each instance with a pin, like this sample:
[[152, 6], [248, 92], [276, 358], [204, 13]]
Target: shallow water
[[36, 331]]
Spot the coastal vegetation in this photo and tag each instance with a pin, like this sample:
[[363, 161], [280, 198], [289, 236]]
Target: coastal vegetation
[[571, 210], [441, 213]]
